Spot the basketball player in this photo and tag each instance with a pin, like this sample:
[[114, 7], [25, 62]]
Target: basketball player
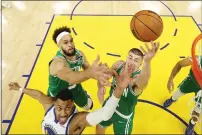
[[122, 119], [64, 69], [61, 115], [188, 85]]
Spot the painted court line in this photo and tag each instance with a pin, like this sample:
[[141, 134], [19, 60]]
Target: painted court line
[[19, 101]]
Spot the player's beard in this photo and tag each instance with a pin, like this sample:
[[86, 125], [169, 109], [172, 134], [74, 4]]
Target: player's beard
[[69, 54]]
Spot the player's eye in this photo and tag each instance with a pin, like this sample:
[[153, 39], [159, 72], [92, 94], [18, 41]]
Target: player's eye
[[136, 60], [71, 40], [59, 109]]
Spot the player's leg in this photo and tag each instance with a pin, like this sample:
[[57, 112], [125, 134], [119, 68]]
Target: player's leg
[[101, 127], [122, 125], [178, 93], [100, 130], [195, 114], [82, 99], [186, 86]]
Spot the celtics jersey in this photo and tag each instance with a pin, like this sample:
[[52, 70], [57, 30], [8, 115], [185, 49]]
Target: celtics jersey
[[128, 100], [191, 74], [56, 84]]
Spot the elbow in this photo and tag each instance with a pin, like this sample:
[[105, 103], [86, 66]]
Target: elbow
[[71, 81], [66, 78], [179, 65]]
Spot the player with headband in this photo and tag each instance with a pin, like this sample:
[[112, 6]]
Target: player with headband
[[64, 69]]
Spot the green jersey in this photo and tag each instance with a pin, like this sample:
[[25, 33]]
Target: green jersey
[[129, 99], [56, 84]]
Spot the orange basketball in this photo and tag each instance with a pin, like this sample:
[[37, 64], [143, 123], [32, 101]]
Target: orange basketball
[[146, 25]]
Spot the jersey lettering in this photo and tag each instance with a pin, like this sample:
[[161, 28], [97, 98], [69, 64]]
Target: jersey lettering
[[125, 93], [72, 86]]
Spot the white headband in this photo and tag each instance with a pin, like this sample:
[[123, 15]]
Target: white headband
[[61, 35]]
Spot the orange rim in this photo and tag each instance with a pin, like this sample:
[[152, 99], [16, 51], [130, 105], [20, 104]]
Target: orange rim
[[195, 68]]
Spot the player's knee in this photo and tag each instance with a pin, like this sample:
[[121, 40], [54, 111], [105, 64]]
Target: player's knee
[[89, 105], [195, 116]]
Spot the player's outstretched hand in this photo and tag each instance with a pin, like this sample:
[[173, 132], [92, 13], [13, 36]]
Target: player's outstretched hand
[[14, 86], [151, 52], [124, 79], [100, 72], [170, 85]]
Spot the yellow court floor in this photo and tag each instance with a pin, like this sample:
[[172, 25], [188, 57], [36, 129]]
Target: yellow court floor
[[111, 34]]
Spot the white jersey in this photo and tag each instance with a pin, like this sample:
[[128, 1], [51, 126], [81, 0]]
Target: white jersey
[[50, 125]]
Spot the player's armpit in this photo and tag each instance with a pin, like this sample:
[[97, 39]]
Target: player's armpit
[[78, 123]]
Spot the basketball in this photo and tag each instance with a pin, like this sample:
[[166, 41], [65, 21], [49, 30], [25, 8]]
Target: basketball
[[146, 26]]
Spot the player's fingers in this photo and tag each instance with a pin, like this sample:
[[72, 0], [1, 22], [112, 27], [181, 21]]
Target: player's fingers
[[157, 46], [107, 76], [143, 50], [106, 83], [106, 65], [115, 73], [147, 46], [97, 59], [100, 64], [153, 46]]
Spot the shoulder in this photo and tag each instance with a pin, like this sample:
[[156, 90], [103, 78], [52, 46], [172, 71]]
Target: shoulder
[[57, 64], [117, 64]]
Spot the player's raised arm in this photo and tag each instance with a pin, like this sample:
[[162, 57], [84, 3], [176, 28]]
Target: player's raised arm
[[142, 80], [83, 119], [59, 68], [36, 94], [175, 71], [101, 88]]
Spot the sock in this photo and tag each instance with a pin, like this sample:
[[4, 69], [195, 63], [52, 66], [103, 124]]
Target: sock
[[177, 94], [193, 122]]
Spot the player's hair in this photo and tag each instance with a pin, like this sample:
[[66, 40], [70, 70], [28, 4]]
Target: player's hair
[[64, 94], [136, 52], [60, 30]]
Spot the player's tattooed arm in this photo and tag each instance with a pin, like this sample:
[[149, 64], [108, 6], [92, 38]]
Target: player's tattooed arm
[[86, 64], [46, 101], [141, 82], [60, 69], [176, 69]]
